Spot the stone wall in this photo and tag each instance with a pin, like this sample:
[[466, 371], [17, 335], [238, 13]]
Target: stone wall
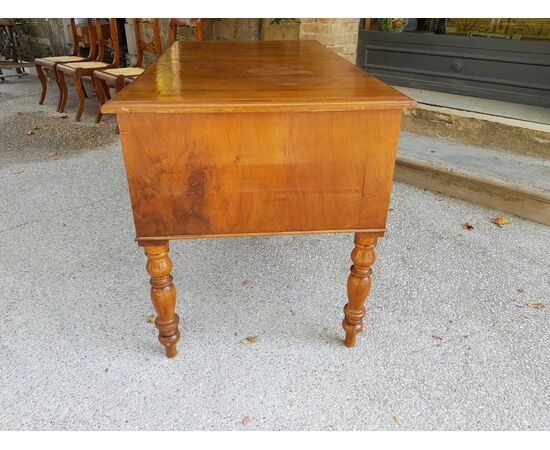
[[340, 35]]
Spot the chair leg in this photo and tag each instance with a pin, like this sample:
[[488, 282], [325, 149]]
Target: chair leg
[[64, 93], [119, 84], [81, 97], [100, 97], [106, 89], [84, 89], [60, 89], [43, 82]]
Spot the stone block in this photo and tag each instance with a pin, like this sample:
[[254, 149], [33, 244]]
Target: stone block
[[336, 39], [350, 48], [315, 28], [352, 27]]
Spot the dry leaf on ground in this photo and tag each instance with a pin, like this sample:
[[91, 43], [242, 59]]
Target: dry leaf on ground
[[468, 226], [397, 420], [246, 283], [151, 318], [521, 291], [53, 155], [437, 338], [246, 421], [30, 133], [249, 340], [535, 305], [500, 221], [16, 171]]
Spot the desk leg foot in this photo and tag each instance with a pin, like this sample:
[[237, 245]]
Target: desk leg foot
[[163, 296], [359, 282]]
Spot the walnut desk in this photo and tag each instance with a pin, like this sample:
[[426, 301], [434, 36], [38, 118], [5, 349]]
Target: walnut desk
[[257, 138]]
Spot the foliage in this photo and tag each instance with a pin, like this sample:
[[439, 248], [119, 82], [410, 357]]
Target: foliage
[[279, 21], [391, 24], [27, 45]]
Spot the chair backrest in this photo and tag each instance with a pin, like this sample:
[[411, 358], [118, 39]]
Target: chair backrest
[[153, 46], [108, 41], [174, 24], [78, 39]]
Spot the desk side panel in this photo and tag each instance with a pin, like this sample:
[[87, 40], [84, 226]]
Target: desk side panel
[[246, 173]]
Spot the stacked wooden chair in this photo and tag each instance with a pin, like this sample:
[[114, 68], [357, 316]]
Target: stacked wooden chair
[[50, 63], [85, 69], [103, 74], [120, 77]]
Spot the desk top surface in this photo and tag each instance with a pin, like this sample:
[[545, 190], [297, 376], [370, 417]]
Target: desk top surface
[[254, 76]]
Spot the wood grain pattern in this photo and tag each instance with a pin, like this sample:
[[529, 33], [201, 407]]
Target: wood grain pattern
[[253, 76], [235, 174]]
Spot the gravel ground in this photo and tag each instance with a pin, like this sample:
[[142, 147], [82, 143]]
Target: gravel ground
[[450, 342]]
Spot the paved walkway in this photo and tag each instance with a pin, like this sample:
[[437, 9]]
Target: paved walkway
[[450, 342]]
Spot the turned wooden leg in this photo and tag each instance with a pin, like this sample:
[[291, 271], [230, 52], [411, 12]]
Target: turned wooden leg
[[163, 295], [359, 282], [81, 97], [42, 79]]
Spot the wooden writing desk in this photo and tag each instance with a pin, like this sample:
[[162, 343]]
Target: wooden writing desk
[[257, 138]]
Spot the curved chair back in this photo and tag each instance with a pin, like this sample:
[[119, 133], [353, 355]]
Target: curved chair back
[[81, 39], [174, 24], [153, 46], [111, 41]]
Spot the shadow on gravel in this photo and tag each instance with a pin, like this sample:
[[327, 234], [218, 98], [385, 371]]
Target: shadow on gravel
[[36, 136]]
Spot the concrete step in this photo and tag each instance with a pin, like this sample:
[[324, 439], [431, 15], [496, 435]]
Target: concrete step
[[510, 127], [510, 182], [515, 114]]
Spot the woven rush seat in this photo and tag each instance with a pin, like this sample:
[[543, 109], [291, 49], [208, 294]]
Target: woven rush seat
[[125, 71], [87, 65], [67, 59]]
